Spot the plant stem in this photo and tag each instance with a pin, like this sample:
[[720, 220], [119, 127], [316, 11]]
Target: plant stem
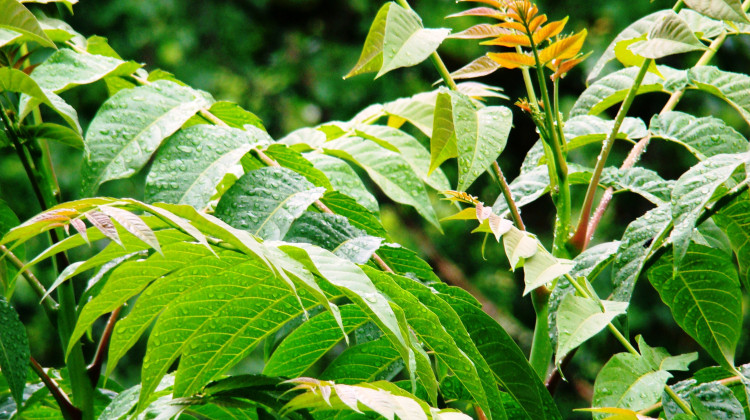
[[50, 306], [95, 368], [69, 411], [514, 213], [726, 382], [581, 237], [81, 386]]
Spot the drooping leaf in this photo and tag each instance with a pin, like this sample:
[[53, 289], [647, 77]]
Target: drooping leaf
[[636, 244], [691, 193], [634, 30], [18, 18], [443, 144], [410, 149], [427, 326], [579, 319], [627, 381], [481, 141], [703, 137], [367, 362], [388, 170], [54, 132], [612, 89], [734, 219], [344, 179], [17, 81], [407, 263], [512, 371], [234, 115], [704, 297], [131, 125], [266, 201], [334, 233], [291, 159], [358, 216], [542, 268], [482, 66], [731, 10], [313, 339], [14, 350], [731, 87], [644, 182], [193, 161], [406, 41], [418, 110], [670, 35]]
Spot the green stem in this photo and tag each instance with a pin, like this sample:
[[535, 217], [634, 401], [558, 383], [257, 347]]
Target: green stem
[[50, 306], [69, 411], [580, 239]]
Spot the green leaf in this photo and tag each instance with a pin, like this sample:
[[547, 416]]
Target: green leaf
[[389, 171], [312, 340], [734, 219], [525, 189], [410, 149], [17, 18], [613, 88], [190, 165], [406, 41], [128, 280], [427, 326], [634, 30], [731, 87], [693, 190], [371, 59], [66, 69], [367, 362], [53, 132], [14, 350], [627, 381], [636, 244], [407, 263], [443, 144], [641, 181], [8, 37], [579, 319], [17, 81], [659, 359], [703, 137], [711, 400], [131, 125], [358, 216], [418, 110], [481, 139], [512, 371], [234, 115], [334, 233], [589, 264], [343, 179], [266, 201], [291, 159], [670, 35], [704, 297], [451, 321], [720, 9], [541, 268]]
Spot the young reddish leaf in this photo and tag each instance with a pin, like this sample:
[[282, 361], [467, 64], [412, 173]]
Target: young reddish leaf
[[80, 227], [510, 40], [463, 197], [482, 66], [549, 30], [133, 224], [537, 22], [102, 222], [494, 3], [478, 11], [514, 26], [512, 60], [481, 31], [564, 48]]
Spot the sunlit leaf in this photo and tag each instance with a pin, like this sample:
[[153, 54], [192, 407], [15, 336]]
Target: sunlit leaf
[[482, 66], [579, 319], [371, 59], [731, 10], [18, 18], [563, 49], [343, 179], [512, 60], [670, 35], [703, 137], [131, 125]]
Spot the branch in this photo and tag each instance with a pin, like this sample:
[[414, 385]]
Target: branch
[[508, 197], [95, 368], [70, 412], [50, 306]]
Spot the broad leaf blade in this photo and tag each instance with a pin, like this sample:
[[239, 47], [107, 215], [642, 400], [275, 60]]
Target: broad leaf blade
[[731, 10], [734, 219], [480, 141], [731, 87], [266, 201], [131, 125], [371, 59], [344, 179], [705, 299], [670, 35], [18, 18], [192, 162], [703, 137], [334, 233], [627, 381], [579, 319]]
